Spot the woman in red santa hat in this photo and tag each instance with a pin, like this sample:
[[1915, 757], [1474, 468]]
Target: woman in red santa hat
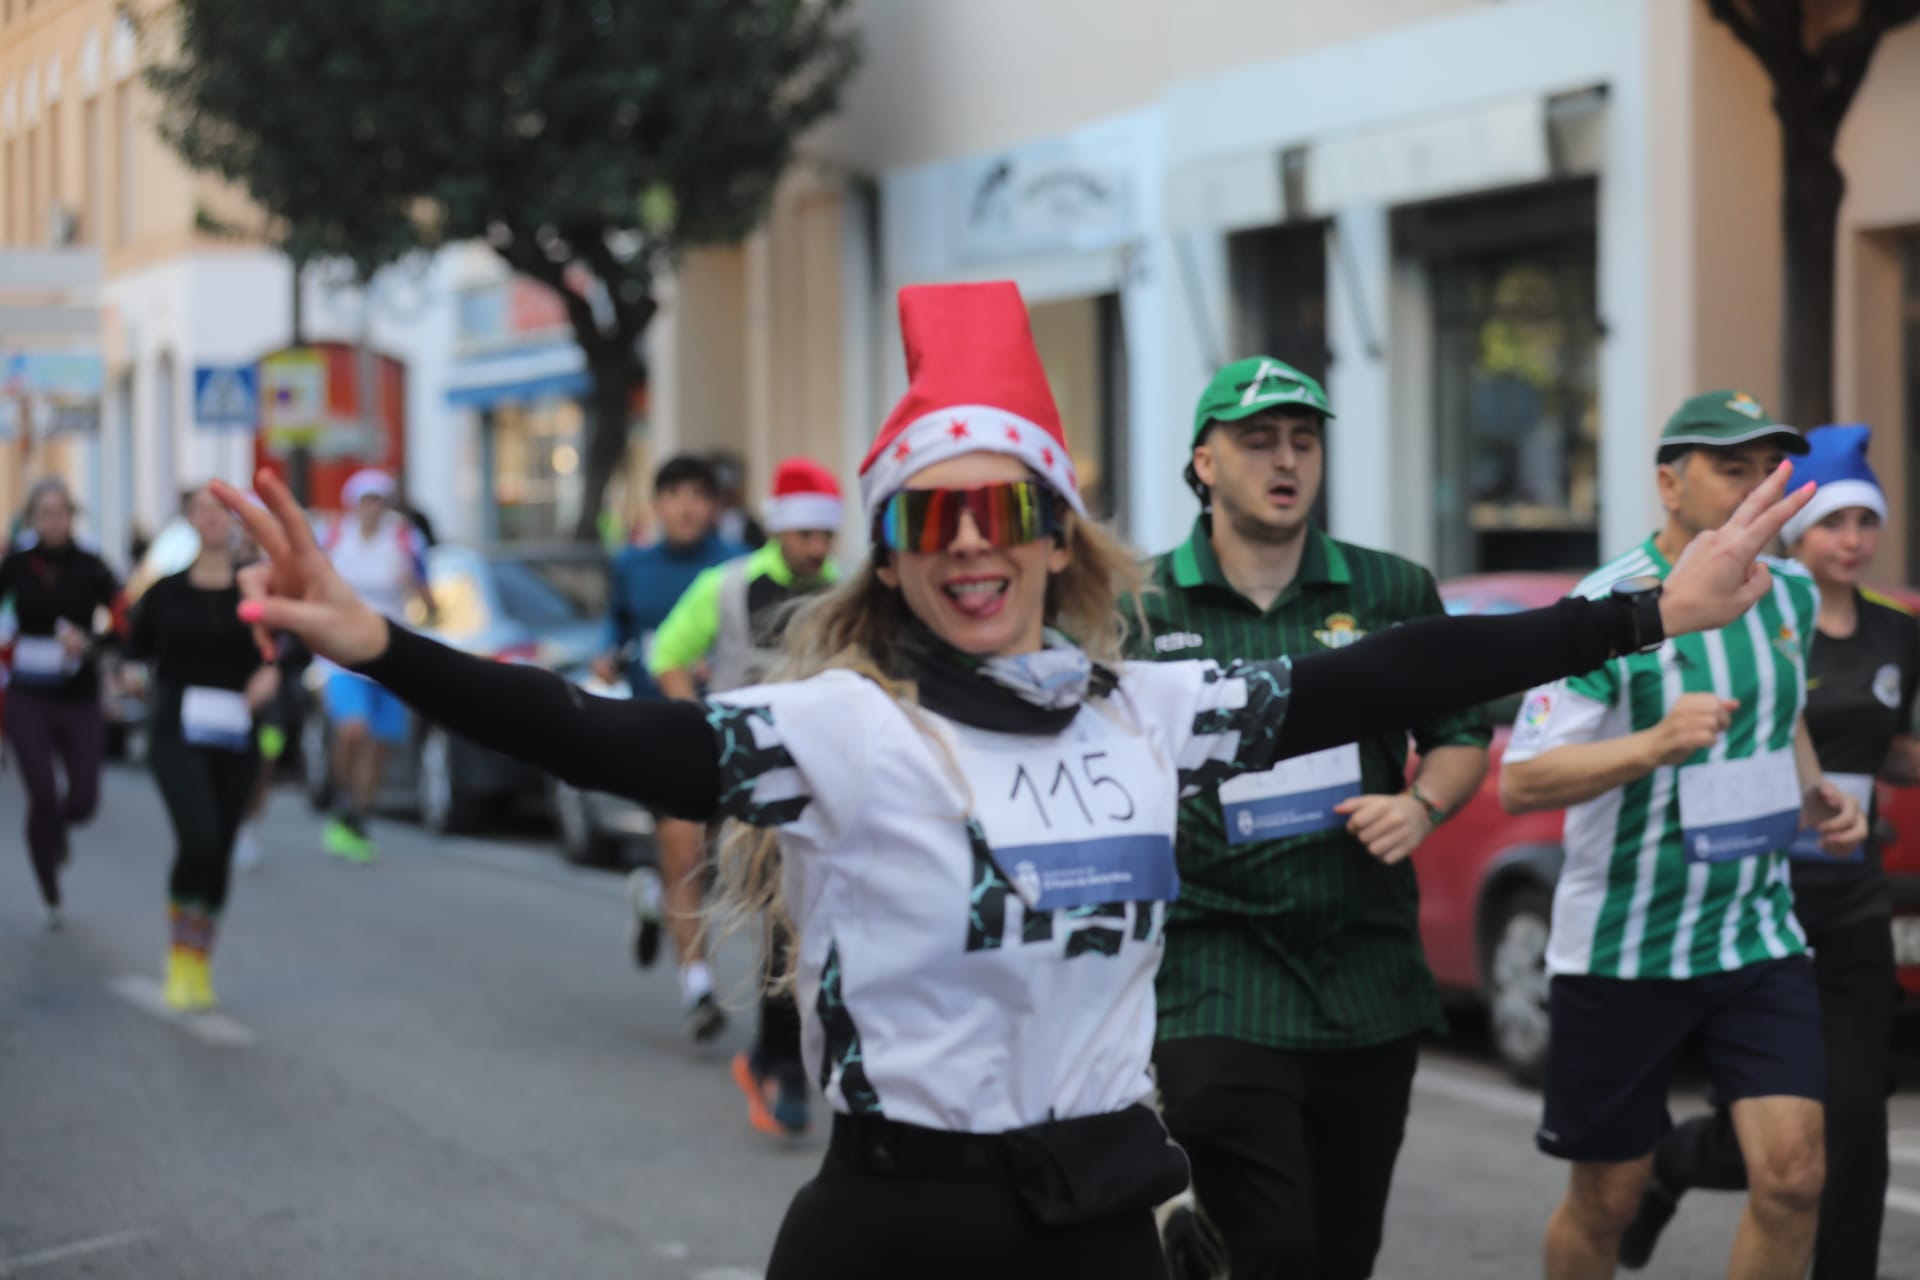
[[967, 802]]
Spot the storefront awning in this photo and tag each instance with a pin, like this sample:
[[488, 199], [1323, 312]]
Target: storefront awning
[[521, 375]]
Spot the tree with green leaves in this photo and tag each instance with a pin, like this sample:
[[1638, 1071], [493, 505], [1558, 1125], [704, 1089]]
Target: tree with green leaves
[[590, 143], [1816, 53]]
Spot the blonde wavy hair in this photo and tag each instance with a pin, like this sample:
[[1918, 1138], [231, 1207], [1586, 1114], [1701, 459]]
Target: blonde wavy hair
[[853, 627]]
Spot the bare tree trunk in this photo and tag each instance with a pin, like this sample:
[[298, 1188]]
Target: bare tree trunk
[[300, 457], [1813, 186], [615, 375]]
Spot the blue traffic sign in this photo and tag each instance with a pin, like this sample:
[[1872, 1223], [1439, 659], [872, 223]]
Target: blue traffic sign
[[226, 397]]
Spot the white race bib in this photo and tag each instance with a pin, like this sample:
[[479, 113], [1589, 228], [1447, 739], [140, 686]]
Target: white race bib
[[215, 718], [1807, 843], [1077, 824], [1739, 808], [42, 660], [1292, 798]]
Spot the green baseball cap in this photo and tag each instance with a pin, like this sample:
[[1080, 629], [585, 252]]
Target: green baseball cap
[[1721, 419], [1255, 385]]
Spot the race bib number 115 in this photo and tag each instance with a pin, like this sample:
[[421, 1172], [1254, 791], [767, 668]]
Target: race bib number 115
[[1078, 825]]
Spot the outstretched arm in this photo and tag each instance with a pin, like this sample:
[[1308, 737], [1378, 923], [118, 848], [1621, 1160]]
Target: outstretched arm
[[1410, 673], [661, 754], [657, 753], [1406, 674]]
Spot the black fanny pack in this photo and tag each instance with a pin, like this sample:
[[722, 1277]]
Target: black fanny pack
[[1066, 1172]]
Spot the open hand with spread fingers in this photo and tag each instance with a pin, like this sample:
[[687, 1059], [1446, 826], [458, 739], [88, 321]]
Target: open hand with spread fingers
[[296, 588], [1716, 579]]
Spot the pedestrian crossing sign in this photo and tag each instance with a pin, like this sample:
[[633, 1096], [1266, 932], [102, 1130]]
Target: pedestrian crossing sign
[[226, 397]]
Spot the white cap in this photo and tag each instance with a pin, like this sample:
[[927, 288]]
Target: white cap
[[368, 483]]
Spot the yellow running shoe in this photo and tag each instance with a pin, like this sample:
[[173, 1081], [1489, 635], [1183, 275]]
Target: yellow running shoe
[[200, 975], [181, 991]]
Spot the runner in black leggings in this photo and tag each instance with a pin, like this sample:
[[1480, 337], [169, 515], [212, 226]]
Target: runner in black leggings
[[53, 696], [1861, 679], [208, 681], [977, 874]]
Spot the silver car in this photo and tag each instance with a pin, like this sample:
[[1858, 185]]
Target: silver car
[[543, 604]]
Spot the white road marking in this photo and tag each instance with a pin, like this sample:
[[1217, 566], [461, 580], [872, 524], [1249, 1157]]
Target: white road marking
[[144, 993], [64, 1252], [1507, 1100]]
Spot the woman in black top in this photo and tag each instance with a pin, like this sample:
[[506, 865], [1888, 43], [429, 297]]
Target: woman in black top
[[1861, 679], [53, 691], [208, 680], [925, 681]]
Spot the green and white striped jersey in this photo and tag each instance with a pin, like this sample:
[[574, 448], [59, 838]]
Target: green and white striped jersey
[[1644, 893]]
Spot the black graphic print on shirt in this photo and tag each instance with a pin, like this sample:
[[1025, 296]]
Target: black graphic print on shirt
[[1257, 721], [743, 762], [842, 1043]]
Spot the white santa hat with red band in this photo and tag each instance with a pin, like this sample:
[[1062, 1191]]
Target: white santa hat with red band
[[805, 496], [974, 383]]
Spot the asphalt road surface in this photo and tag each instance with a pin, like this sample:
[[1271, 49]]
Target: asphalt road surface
[[444, 1065]]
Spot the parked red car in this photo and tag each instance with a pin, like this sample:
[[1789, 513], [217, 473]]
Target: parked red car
[[1487, 877]]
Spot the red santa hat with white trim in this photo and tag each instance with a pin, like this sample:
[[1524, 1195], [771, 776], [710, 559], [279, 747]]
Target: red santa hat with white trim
[[974, 383], [805, 496]]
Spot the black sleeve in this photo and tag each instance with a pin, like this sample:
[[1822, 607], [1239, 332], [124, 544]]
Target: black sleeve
[[144, 625], [661, 754], [106, 587], [1408, 674]]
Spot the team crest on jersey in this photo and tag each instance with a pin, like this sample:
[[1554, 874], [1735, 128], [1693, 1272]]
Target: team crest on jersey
[[1787, 640], [1886, 686], [1341, 631]]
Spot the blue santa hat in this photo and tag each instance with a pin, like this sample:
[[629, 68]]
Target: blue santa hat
[[1837, 462]]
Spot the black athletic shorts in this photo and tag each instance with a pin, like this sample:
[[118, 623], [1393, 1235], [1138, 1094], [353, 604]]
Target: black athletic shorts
[[1614, 1043]]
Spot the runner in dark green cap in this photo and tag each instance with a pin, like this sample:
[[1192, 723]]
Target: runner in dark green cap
[[1294, 988], [1724, 420]]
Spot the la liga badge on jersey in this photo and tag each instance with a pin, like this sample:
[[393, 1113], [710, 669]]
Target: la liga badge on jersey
[[1535, 714]]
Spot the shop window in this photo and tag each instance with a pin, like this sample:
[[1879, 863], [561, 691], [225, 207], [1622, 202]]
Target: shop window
[[1516, 388], [537, 455], [1083, 348]]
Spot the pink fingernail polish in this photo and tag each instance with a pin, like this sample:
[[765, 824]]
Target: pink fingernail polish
[[252, 611]]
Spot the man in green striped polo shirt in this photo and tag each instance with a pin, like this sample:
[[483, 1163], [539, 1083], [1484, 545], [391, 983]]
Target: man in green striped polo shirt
[[1294, 988], [1685, 772]]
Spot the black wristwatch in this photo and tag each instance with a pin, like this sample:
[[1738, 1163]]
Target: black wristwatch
[[1641, 595]]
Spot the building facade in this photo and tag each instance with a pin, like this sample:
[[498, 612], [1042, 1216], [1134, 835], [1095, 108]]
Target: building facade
[[84, 177], [1510, 236]]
